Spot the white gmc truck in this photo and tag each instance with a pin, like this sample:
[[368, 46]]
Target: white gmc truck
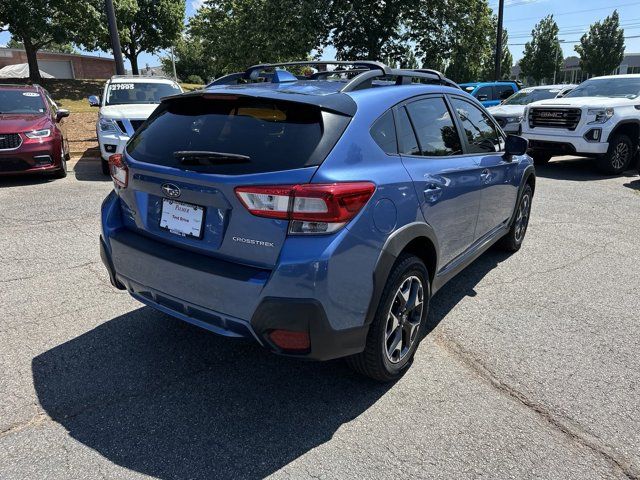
[[600, 118], [127, 101]]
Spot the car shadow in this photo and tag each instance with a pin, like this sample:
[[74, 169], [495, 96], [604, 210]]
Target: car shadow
[[633, 185], [88, 167], [167, 399], [575, 169], [24, 180]]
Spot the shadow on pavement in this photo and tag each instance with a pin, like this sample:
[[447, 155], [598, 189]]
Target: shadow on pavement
[[575, 169], [633, 185], [24, 180], [88, 167], [167, 399]]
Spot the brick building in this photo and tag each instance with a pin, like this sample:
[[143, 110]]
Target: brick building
[[63, 65]]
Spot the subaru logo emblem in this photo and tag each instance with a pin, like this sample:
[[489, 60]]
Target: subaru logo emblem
[[171, 190]]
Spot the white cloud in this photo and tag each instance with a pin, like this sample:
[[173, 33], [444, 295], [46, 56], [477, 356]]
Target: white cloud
[[196, 4]]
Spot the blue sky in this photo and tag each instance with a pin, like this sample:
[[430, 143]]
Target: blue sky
[[573, 18]]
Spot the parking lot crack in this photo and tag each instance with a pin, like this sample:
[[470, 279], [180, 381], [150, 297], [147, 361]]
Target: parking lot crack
[[566, 426]]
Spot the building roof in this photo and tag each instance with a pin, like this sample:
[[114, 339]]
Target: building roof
[[82, 55]]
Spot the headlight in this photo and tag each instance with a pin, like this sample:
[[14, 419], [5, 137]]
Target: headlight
[[602, 114], [38, 133], [107, 125], [514, 119]]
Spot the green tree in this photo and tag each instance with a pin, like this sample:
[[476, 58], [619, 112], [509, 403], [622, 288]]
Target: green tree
[[37, 24], [52, 47], [506, 62], [542, 54], [602, 49], [191, 59], [369, 29], [143, 25], [239, 33]]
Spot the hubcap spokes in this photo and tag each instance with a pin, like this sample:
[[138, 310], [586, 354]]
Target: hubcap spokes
[[404, 318], [522, 219], [619, 157]]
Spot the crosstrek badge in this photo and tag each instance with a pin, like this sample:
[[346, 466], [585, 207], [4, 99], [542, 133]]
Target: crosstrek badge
[[251, 241]]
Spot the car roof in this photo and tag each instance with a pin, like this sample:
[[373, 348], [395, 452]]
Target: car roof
[[560, 86], [482, 84], [139, 79], [609, 77]]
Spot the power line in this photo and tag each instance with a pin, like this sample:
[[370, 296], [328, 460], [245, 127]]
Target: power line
[[574, 30], [571, 42], [610, 7]]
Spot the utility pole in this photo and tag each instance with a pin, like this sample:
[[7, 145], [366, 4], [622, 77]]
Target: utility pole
[[115, 38], [499, 39], [173, 64]]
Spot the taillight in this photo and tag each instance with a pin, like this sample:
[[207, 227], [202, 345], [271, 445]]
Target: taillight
[[311, 208], [119, 170]]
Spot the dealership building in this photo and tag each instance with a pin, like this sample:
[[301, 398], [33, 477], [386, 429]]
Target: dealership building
[[63, 65]]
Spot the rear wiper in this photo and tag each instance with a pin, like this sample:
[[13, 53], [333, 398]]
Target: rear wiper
[[194, 157]]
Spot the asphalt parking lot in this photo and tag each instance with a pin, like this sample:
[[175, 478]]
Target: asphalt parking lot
[[532, 369]]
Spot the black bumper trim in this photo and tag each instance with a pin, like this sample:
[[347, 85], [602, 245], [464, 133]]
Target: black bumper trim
[[306, 315], [106, 260]]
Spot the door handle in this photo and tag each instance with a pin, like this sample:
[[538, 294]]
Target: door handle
[[485, 175], [432, 192]]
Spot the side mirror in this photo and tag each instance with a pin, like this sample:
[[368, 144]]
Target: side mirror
[[94, 101], [61, 113], [516, 145]]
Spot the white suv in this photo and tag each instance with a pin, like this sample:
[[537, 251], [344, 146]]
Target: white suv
[[600, 118], [127, 101]]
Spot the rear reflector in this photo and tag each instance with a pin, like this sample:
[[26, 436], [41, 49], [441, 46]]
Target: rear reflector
[[119, 170], [312, 208], [290, 340]]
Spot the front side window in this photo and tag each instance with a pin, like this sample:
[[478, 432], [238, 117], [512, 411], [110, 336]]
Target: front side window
[[434, 128], [14, 101], [481, 134], [383, 132], [504, 91], [123, 93], [484, 93]]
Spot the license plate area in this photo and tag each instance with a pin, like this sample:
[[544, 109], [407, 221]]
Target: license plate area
[[183, 219]]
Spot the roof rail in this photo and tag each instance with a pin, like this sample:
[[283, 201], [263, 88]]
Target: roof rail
[[403, 77], [253, 72]]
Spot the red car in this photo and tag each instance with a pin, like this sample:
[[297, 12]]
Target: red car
[[32, 138]]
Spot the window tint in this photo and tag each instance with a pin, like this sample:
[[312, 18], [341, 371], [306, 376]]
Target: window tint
[[274, 135], [504, 91], [484, 92], [478, 128], [434, 127], [384, 133], [406, 138]]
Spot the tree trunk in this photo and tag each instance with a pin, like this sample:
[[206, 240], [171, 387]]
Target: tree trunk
[[133, 58], [32, 60]]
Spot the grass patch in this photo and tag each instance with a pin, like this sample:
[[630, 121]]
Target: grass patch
[[72, 94]]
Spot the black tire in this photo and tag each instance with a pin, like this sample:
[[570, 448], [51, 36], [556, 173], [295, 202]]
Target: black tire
[[619, 156], [375, 361], [62, 172], [512, 241], [105, 167], [540, 158]]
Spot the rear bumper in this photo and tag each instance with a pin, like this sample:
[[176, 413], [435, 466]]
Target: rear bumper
[[271, 313]]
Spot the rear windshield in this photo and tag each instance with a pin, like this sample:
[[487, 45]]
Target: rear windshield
[[20, 102], [234, 136], [121, 93]]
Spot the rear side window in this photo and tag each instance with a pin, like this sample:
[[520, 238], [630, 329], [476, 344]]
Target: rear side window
[[434, 127], [478, 128], [407, 142], [383, 132], [258, 135]]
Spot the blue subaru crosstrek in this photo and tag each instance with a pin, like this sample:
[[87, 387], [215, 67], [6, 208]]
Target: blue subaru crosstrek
[[317, 216]]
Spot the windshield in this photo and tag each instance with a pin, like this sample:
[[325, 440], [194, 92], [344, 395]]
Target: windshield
[[138, 92], [528, 95], [19, 101], [609, 87]]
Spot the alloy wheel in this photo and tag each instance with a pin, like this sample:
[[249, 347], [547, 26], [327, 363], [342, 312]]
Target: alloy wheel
[[522, 218], [404, 318], [620, 155]]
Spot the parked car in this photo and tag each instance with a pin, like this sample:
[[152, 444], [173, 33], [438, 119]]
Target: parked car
[[491, 93], [600, 118], [314, 216], [126, 102], [32, 132], [510, 112]]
